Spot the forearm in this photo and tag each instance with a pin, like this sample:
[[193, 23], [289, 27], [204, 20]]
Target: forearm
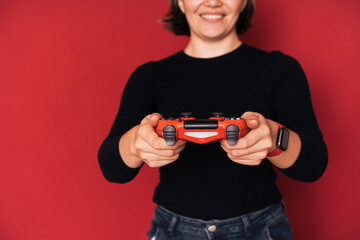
[[306, 156]]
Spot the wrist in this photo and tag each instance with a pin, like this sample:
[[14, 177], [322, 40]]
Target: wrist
[[274, 128], [127, 149], [281, 142]]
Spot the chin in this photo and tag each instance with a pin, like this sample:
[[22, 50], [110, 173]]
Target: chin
[[215, 33], [214, 37]]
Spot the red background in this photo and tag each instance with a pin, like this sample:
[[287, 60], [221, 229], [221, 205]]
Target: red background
[[63, 65]]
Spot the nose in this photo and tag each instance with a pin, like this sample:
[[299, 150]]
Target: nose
[[213, 3]]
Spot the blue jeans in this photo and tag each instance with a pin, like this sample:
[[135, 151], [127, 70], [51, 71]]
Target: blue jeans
[[268, 223]]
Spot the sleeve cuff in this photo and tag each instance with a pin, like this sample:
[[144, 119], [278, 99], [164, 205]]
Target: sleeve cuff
[[112, 165], [311, 162]]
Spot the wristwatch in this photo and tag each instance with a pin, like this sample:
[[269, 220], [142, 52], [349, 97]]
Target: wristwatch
[[282, 141]]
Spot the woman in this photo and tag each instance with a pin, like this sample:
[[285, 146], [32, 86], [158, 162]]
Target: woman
[[214, 190]]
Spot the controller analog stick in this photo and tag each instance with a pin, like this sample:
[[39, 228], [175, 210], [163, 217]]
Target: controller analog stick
[[232, 132], [218, 114], [186, 114], [169, 132]]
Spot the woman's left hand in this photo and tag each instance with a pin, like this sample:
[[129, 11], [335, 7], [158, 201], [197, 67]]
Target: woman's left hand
[[254, 146]]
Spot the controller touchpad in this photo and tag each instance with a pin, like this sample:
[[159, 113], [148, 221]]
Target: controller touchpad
[[201, 124]]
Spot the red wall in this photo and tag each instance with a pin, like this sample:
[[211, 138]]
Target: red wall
[[63, 65]]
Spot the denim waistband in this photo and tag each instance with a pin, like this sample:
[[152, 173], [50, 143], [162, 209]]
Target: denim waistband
[[244, 223]]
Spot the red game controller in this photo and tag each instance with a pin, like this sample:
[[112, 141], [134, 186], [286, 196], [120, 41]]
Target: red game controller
[[202, 130]]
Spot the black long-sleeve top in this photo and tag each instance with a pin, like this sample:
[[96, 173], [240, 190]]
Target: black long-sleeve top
[[204, 183]]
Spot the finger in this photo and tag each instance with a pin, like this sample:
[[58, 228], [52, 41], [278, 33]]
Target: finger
[[181, 142], [252, 159], [159, 143], [157, 164], [158, 146], [145, 120], [148, 135], [250, 139], [256, 135], [248, 162], [263, 145], [154, 160], [249, 153], [154, 157], [146, 132], [253, 137], [167, 152]]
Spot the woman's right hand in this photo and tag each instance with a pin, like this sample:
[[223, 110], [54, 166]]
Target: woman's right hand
[[148, 147]]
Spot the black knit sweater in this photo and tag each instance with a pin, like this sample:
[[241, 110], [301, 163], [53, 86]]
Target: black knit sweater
[[204, 183]]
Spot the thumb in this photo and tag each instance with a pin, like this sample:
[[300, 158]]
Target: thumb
[[252, 119], [252, 122], [154, 119]]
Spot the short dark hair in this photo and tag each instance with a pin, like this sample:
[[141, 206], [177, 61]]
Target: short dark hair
[[175, 20]]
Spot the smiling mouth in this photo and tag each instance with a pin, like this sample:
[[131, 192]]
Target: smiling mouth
[[212, 16]]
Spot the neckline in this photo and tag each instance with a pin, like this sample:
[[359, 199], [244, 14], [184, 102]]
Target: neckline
[[220, 58]]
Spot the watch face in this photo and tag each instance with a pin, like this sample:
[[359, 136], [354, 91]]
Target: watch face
[[283, 139]]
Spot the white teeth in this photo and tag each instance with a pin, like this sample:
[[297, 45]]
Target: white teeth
[[212, 16]]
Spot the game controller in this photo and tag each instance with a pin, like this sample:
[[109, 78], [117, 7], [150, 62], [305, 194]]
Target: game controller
[[202, 130]]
